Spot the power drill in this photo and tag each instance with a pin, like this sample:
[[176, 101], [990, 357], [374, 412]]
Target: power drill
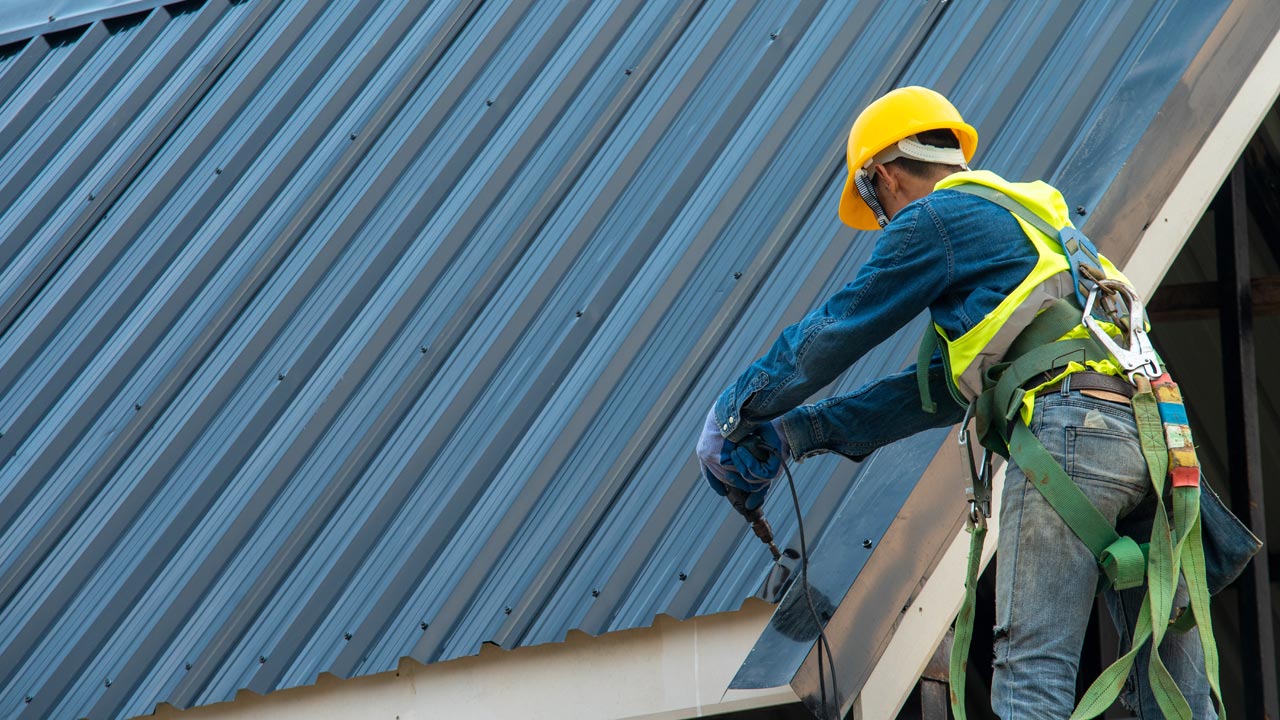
[[759, 525], [738, 498]]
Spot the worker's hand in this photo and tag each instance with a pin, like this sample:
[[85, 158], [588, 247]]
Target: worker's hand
[[760, 455], [726, 464]]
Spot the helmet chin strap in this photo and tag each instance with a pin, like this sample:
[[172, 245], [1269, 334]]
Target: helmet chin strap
[[908, 147], [862, 181]]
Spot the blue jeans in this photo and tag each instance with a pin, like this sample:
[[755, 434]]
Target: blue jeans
[[1046, 578]]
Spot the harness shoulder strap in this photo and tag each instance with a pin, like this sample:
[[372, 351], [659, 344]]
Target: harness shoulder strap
[[1028, 215], [1079, 249]]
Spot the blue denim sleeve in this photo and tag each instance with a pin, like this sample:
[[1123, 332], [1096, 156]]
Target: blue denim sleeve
[[910, 266], [874, 415]]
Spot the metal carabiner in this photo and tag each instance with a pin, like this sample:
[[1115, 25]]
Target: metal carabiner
[[1139, 358], [978, 493]]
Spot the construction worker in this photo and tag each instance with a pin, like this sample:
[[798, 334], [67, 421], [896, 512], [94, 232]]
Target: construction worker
[[984, 273]]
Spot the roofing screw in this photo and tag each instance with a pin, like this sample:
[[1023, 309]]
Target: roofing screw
[[217, 171], [773, 36], [578, 313], [91, 196], [346, 636], [107, 682], [50, 18], [187, 666], [866, 543], [137, 406], [737, 275], [506, 611], [27, 699], [423, 349], [280, 376], [683, 577], [1080, 209], [262, 659], [422, 625], [628, 71], [489, 102], [595, 593], [353, 136]]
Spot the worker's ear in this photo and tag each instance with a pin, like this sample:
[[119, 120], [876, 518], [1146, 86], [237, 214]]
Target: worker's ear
[[887, 184]]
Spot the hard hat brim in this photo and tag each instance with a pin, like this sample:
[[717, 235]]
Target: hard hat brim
[[854, 212]]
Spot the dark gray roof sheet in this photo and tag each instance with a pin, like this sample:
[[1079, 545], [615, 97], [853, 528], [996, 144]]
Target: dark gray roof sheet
[[337, 332]]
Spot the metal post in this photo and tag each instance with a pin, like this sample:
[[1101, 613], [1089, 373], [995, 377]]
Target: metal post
[[1244, 460]]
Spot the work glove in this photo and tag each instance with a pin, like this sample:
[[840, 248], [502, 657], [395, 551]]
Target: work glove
[[741, 471]]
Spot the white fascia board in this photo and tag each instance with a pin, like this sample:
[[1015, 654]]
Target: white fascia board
[[925, 621], [673, 669]]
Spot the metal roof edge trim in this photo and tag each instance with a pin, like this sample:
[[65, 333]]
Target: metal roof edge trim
[[904, 558], [121, 9], [1225, 60]]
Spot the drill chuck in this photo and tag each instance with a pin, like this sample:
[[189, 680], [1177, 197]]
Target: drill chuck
[[762, 530]]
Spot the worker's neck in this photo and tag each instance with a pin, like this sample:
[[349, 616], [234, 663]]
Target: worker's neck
[[909, 188]]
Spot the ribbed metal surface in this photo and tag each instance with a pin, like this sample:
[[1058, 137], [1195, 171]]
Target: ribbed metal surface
[[337, 332], [20, 19]]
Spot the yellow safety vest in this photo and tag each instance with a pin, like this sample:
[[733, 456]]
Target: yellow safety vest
[[969, 356]]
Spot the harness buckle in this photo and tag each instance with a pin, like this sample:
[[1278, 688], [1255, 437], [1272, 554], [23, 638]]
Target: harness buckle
[[1139, 358]]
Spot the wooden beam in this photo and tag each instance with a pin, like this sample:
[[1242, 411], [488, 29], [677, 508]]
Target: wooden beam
[[1262, 174], [1244, 454], [1199, 301]]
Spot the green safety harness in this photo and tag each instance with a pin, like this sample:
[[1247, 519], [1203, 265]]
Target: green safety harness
[[1041, 350]]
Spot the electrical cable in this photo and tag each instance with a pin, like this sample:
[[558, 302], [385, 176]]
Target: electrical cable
[[823, 644]]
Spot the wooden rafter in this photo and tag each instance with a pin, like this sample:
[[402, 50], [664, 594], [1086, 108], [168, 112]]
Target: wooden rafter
[[1197, 301]]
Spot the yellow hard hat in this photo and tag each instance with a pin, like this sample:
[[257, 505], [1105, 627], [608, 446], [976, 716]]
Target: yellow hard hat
[[898, 115]]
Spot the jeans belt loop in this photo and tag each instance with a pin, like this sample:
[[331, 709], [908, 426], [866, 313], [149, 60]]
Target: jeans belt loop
[[1065, 387]]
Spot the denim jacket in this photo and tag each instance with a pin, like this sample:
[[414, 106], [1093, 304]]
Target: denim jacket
[[957, 255], [951, 252]]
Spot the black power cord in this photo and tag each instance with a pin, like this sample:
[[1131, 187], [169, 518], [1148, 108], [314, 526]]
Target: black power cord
[[823, 644]]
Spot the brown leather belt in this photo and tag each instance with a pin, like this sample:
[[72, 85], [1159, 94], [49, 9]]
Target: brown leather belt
[[1093, 384]]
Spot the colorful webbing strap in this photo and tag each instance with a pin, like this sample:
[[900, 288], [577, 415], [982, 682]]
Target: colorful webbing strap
[[1184, 467], [1175, 550]]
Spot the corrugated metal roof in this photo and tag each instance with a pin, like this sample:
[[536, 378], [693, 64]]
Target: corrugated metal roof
[[20, 19], [337, 332]]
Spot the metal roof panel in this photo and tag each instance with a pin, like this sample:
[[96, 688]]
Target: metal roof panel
[[336, 332]]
